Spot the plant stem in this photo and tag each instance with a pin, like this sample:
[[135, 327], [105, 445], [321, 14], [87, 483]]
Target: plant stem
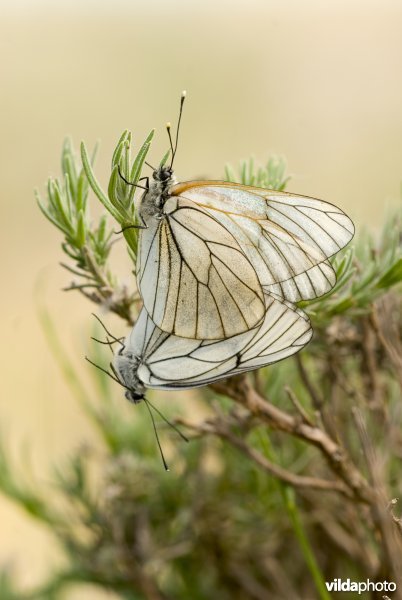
[[288, 496]]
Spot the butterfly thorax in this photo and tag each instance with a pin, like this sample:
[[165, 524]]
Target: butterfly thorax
[[126, 365], [154, 199]]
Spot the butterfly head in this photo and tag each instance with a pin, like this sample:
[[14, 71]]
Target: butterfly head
[[133, 396], [163, 174]]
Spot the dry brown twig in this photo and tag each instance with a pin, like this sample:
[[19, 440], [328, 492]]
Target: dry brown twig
[[240, 390], [391, 567], [390, 341], [221, 430]]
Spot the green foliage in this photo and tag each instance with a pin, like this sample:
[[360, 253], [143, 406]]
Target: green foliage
[[87, 244], [272, 176], [364, 273], [67, 209], [119, 201]]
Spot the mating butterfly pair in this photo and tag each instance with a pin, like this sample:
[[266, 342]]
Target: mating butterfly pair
[[220, 266]]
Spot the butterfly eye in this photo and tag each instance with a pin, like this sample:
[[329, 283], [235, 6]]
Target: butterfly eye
[[166, 174], [133, 396]]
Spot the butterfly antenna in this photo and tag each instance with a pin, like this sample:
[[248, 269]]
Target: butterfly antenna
[[168, 127], [168, 422], [116, 375], [104, 342], [182, 98], [114, 338], [156, 435], [104, 371], [110, 344], [148, 165]]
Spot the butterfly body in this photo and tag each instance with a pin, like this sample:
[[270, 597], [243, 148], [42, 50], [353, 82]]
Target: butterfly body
[[154, 198]]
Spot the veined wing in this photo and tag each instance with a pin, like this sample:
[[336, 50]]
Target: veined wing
[[194, 278], [170, 362], [288, 238]]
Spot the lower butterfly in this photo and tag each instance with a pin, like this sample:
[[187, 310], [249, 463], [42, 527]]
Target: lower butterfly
[[151, 358]]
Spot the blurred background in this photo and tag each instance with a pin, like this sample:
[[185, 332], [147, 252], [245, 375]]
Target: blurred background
[[316, 82]]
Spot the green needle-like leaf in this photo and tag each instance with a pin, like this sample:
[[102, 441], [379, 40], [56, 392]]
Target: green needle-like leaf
[[391, 277], [95, 185]]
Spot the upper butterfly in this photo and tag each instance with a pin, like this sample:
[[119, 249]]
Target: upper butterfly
[[209, 249]]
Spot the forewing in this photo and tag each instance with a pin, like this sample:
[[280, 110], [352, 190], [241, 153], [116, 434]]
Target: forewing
[[288, 238], [172, 362], [194, 278]]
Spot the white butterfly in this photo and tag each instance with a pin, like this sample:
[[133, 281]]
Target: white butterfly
[[209, 249], [151, 358]]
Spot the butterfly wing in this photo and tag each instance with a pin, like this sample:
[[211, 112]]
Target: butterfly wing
[[170, 362], [288, 238], [194, 279]]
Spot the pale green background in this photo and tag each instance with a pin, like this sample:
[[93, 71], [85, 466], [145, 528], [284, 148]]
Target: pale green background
[[317, 81]]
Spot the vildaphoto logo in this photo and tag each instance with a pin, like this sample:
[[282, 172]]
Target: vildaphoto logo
[[340, 585]]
